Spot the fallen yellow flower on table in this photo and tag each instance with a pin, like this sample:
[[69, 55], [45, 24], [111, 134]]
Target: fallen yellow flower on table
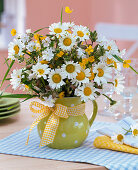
[[13, 32], [104, 142], [67, 10], [126, 63]]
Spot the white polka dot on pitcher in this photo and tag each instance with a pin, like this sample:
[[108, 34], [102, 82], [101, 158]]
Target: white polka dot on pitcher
[[72, 105], [63, 135], [76, 123], [76, 141]]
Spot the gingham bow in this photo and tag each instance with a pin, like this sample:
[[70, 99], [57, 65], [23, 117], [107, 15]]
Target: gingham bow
[[59, 111]]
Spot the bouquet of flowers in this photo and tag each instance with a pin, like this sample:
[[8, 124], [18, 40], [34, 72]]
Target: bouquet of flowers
[[70, 61]]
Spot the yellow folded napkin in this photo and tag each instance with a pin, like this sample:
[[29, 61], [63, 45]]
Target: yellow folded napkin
[[105, 142]]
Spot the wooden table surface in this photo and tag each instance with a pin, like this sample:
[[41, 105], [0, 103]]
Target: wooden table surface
[[24, 119]]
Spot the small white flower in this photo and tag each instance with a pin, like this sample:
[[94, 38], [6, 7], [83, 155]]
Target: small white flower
[[118, 138], [71, 69], [16, 78], [49, 101], [28, 31], [41, 70], [67, 41], [48, 54], [31, 46], [81, 32], [101, 39], [111, 47], [82, 77], [103, 73], [134, 129], [119, 83], [86, 92], [58, 28], [15, 48], [81, 53], [46, 42], [55, 78]]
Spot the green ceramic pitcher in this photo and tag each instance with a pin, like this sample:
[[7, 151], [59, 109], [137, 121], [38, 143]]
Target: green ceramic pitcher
[[72, 131]]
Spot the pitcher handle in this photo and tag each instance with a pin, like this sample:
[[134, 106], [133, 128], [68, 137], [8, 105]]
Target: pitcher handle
[[95, 110]]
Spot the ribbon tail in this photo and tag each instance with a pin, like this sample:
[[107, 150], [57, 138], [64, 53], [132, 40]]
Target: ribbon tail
[[50, 130], [35, 123]]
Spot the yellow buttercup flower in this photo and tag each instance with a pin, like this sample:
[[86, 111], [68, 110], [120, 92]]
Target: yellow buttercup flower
[[44, 62], [36, 36], [109, 61], [91, 59], [126, 63], [89, 50], [13, 32], [60, 54], [61, 95], [67, 10]]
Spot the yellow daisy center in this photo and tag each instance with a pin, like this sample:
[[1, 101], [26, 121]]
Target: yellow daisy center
[[120, 137], [67, 41], [57, 30], [16, 49], [116, 82], [80, 33], [87, 91], [109, 47], [18, 76], [135, 132], [56, 78], [70, 68], [40, 71], [100, 72], [80, 76]]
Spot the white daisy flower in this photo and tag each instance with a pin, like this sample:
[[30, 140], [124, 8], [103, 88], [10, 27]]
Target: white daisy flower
[[58, 28], [86, 92], [47, 54], [118, 138], [15, 80], [111, 47], [101, 39], [82, 77], [119, 83], [81, 32], [134, 129], [31, 46], [67, 41], [103, 73], [55, 78], [81, 53], [15, 48], [48, 101], [24, 38], [40, 70], [71, 69], [46, 42]]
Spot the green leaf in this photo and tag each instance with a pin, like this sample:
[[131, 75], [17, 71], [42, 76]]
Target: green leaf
[[18, 96], [10, 66], [118, 58], [133, 69], [61, 15], [40, 29], [6, 62]]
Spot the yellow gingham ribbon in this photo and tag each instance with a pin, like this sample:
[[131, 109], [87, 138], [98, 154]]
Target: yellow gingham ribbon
[[59, 111]]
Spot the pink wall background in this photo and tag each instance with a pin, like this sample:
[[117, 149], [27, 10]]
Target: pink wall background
[[86, 12]]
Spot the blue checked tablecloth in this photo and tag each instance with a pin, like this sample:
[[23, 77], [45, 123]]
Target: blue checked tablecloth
[[15, 145]]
